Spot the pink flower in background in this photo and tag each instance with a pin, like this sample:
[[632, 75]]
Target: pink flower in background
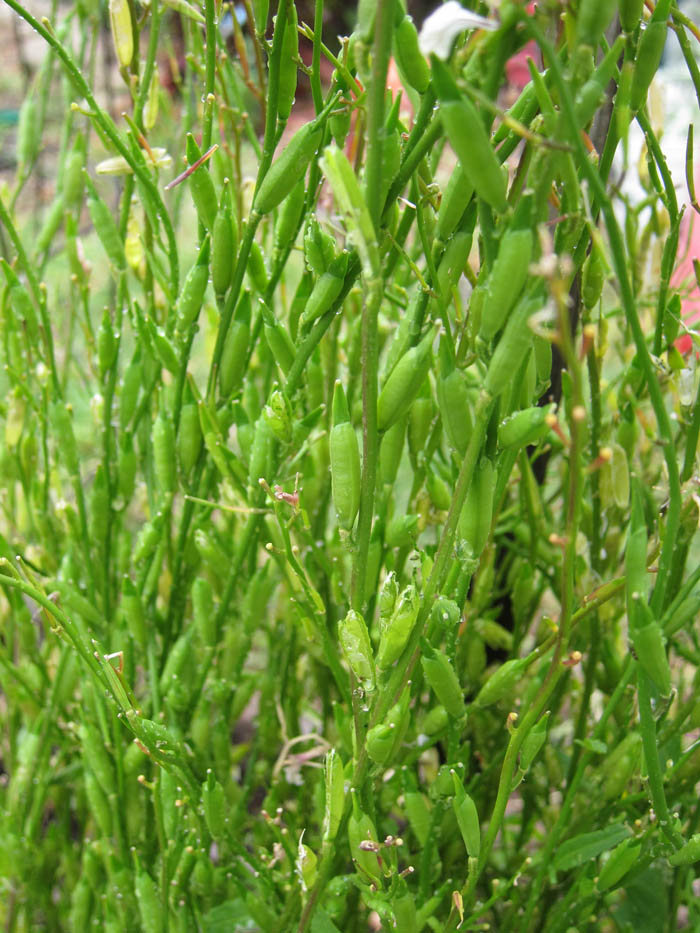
[[684, 275]]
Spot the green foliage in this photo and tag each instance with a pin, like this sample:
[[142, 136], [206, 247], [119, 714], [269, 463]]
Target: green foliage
[[345, 563]]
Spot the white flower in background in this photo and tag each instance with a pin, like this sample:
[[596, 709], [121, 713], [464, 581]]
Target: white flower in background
[[443, 26]]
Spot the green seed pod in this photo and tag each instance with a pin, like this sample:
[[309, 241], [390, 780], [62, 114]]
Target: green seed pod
[[224, 243], [277, 413], [259, 453], [618, 767], [591, 95], [28, 134], [325, 291], [401, 531], [335, 795], [404, 383], [592, 20], [288, 64], [454, 202], [672, 318], [630, 12], [132, 611], [455, 409], [418, 813], [203, 611], [362, 837], [446, 613], [649, 646], [52, 221], [127, 467], [593, 277], [179, 655], [688, 854], [290, 217], [191, 298], [213, 556], [388, 595], [345, 462], [636, 558], [507, 280], [107, 345], [99, 805], [420, 418], [397, 631], [621, 860], [62, 424], [189, 437], [501, 683], [615, 479], [467, 818], [439, 492], [148, 538], [201, 186], [164, 453], [470, 141], [391, 163], [477, 511], [73, 177], [81, 905], [278, 340], [150, 906], [97, 758], [525, 427], [130, 388], [319, 247], [511, 349], [21, 302], [390, 451], [453, 261], [380, 741], [412, 65], [357, 649], [107, 231], [403, 905], [649, 52], [286, 171], [215, 807], [533, 742], [122, 31], [436, 721], [235, 353], [261, 11], [256, 269], [442, 678]]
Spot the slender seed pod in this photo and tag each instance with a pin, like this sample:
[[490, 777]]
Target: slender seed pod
[[127, 467], [619, 766], [150, 111], [52, 222], [214, 806], [592, 93], [467, 818], [256, 269], [649, 647], [403, 905], [107, 231], [290, 217], [454, 404], [286, 171], [150, 907], [511, 349], [404, 383], [132, 610], [203, 611], [278, 340], [335, 795], [501, 683], [122, 31], [412, 65], [390, 451], [442, 678], [533, 742], [259, 453], [189, 437], [28, 134], [81, 905], [648, 58], [361, 830], [191, 298], [235, 353], [388, 596], [96, 756], [224, 243], [130, 388], [201, 186], [288, 64], [345, 462], [593, 277], [357, 649], [453, 261], [636, 558], [418, 814], [164, 453], [524, 427], [630, 12], [477, 512], [507, 280], [593, 19], [325, 291], [397, 631], [98, 803], [73, 177], [62, 424], [620, 861], [107, 345], [319, 247], [470, 141], [454, 202], [401, 531], [688, 854], [277, 413]]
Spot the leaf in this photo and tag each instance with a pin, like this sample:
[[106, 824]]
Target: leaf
[[322, 923], [229, 917], [583, 848], [593, 745]]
